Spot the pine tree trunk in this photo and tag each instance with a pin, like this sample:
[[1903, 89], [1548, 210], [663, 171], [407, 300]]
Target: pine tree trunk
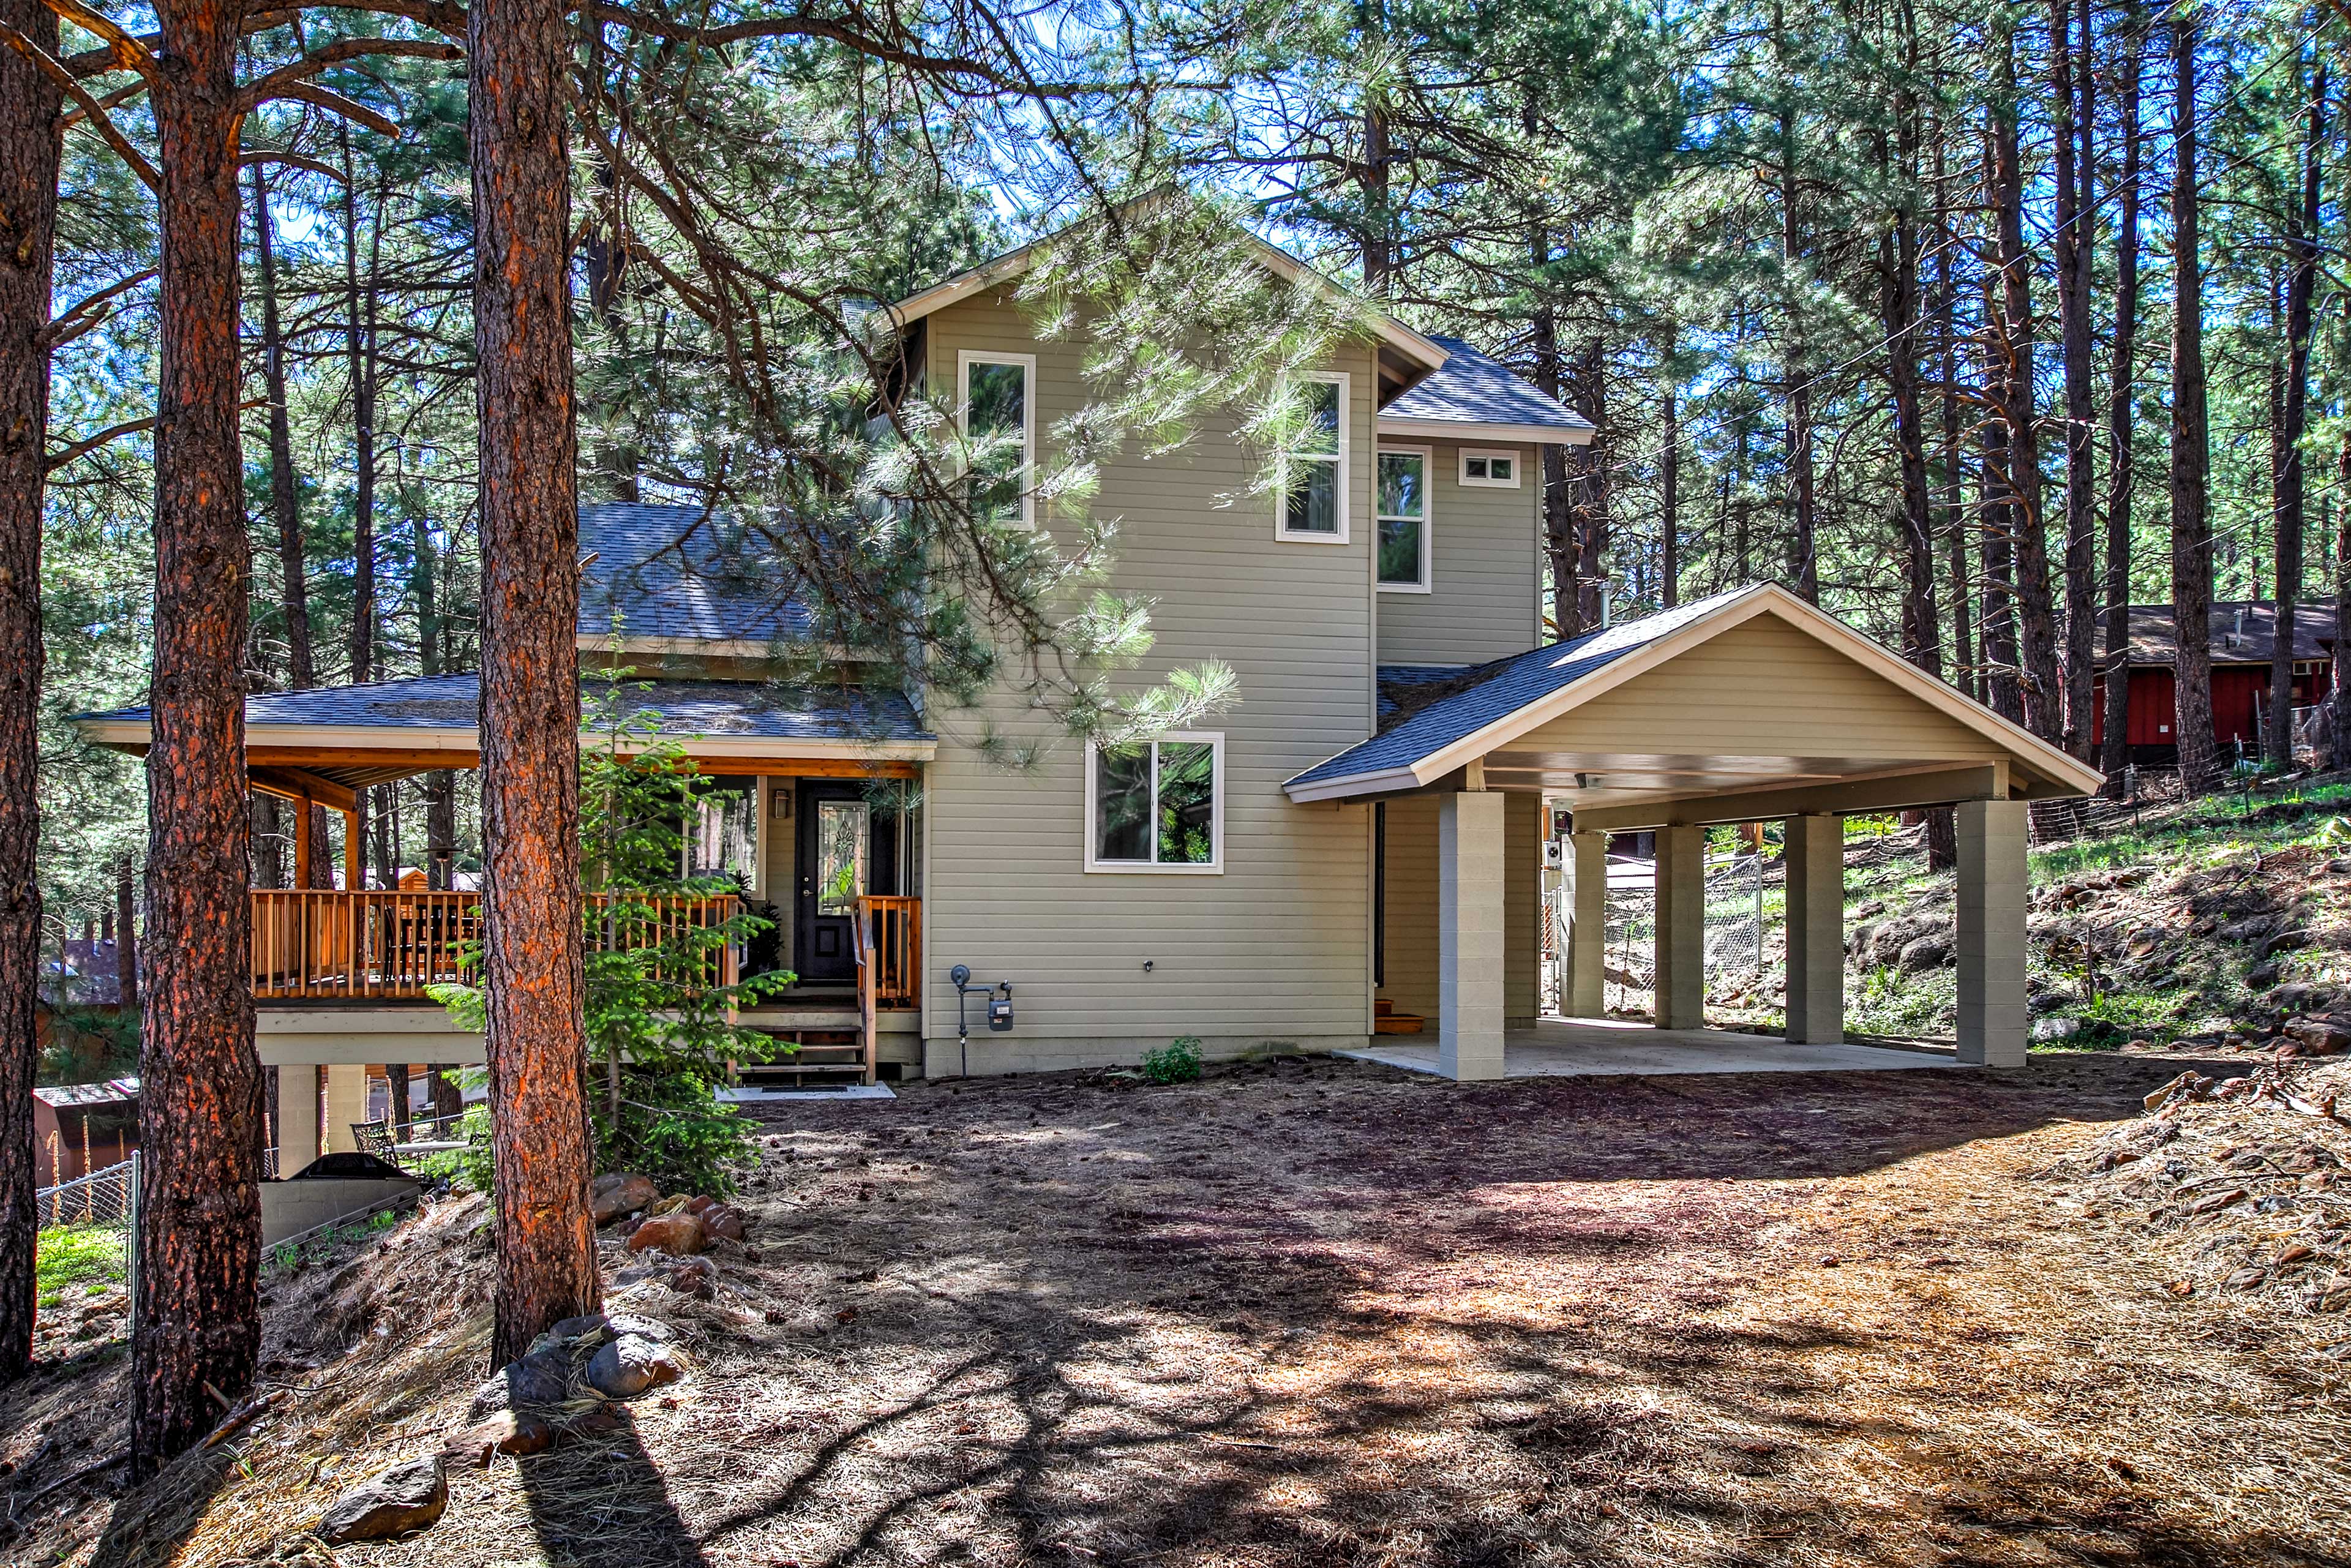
[[2339, 693], [1669, 485], [517, 60], [1955, 512], [199, 1121], [2114, 754], [29, 150], [2191, 521], [2073, 121], [1589, 492], [2004, 683], [2036, 610], [2301, 288]]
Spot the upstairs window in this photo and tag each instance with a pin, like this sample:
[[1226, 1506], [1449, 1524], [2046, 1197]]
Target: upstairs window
[[999, 419], [1498, 470], [1315, 467], [1403, 521], [1157, 805]]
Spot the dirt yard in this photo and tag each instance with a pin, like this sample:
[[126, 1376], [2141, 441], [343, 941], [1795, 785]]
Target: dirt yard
[[1321, 1314]]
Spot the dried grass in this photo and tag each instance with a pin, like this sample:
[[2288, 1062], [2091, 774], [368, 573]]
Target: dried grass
[[1326, 1313]]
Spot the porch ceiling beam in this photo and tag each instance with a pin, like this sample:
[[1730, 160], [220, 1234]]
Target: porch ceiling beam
[[1939, 786], [294, 784]]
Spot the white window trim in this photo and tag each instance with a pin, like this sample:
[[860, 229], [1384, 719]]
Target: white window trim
[[1518, 466], [1215, 740], [965, 359], [1344, 381], [1428, 583]]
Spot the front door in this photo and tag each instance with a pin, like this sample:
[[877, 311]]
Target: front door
[[847, 848]]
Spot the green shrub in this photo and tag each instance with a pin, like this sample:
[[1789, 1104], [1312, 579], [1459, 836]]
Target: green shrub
[[1177, 1062]]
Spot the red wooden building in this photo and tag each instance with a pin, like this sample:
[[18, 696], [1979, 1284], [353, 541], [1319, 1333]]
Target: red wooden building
[[2241, 642]]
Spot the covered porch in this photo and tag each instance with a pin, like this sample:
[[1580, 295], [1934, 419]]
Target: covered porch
[[1747, 706], [806, 801]]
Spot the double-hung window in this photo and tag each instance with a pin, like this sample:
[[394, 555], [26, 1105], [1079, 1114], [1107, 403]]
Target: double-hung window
[[1157, 805], [1405, 544], [998, 396], [1314, 465]]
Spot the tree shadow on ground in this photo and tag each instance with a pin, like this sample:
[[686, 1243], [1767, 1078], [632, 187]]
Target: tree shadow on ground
[[1312, 1326], [601, 1501]]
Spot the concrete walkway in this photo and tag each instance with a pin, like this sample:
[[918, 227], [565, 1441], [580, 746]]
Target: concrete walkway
[[1581, 1047]]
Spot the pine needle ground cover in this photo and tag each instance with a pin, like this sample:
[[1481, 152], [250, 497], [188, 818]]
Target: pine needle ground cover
[[1323, 1312]]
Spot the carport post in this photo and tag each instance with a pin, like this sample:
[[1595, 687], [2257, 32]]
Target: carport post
[[1582, 995], [1470, 937], [1815, 864], [1681, 929], [1991, 932], [298, 1118]]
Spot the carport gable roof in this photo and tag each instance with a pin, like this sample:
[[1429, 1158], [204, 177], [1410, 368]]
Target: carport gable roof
[[1491, 704]]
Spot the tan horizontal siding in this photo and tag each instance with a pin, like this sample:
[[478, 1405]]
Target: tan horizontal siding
[[1273, 949], [1486, 571], [1762, 688]]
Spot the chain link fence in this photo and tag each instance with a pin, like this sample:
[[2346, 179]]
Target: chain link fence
[[1734, 930], [92, 1218]]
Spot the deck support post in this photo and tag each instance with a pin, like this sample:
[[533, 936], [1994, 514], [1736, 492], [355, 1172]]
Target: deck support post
[[1991, 932], [1681, 929], [346, 1105], [1815, 864], [298, 1119], [1582, 989], [1470, 869]]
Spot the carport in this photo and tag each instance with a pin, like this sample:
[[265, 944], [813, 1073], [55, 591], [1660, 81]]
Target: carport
[[1748, 705]]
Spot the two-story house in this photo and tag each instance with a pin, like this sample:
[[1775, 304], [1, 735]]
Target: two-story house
[[1354, 845]]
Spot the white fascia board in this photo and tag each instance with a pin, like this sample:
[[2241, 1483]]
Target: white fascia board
[[1385, 781], [1468, 429]]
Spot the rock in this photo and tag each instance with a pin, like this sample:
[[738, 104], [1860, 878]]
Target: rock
[[2320, 1036], [628, 1326], [2212, 1201], [674, 1232], [2254, 930], [701, 1206], [403, 1498], [2266, 973], [506, 1432], [532, 1382], [2244, 1279], [1932, 951], [2285, 942], [628, 1367], [619, 1193], [727, 1222], [2046, 1029], [696, 1277], [2341, 867]]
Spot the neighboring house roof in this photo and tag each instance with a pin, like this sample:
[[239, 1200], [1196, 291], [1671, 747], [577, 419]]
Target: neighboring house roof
[[2243, 631], [1414, 346], [67, 1096], [680, 573], [1484, 706], [440, 713], [1472, 396]]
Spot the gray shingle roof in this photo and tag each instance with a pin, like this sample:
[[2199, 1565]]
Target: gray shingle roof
[[1472, 389], [745, 709], [1473, 698], [2151, 640], [677, 571]]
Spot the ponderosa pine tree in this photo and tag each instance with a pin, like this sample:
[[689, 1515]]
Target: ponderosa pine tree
[[29, 147], [517, 63], [2192, 519]]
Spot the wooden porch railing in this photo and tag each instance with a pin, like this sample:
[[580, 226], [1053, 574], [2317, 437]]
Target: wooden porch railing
[[335, 945], [889, 963]]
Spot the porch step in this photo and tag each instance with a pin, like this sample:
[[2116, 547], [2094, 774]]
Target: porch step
[[1385, 1019], [825, 1056]]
